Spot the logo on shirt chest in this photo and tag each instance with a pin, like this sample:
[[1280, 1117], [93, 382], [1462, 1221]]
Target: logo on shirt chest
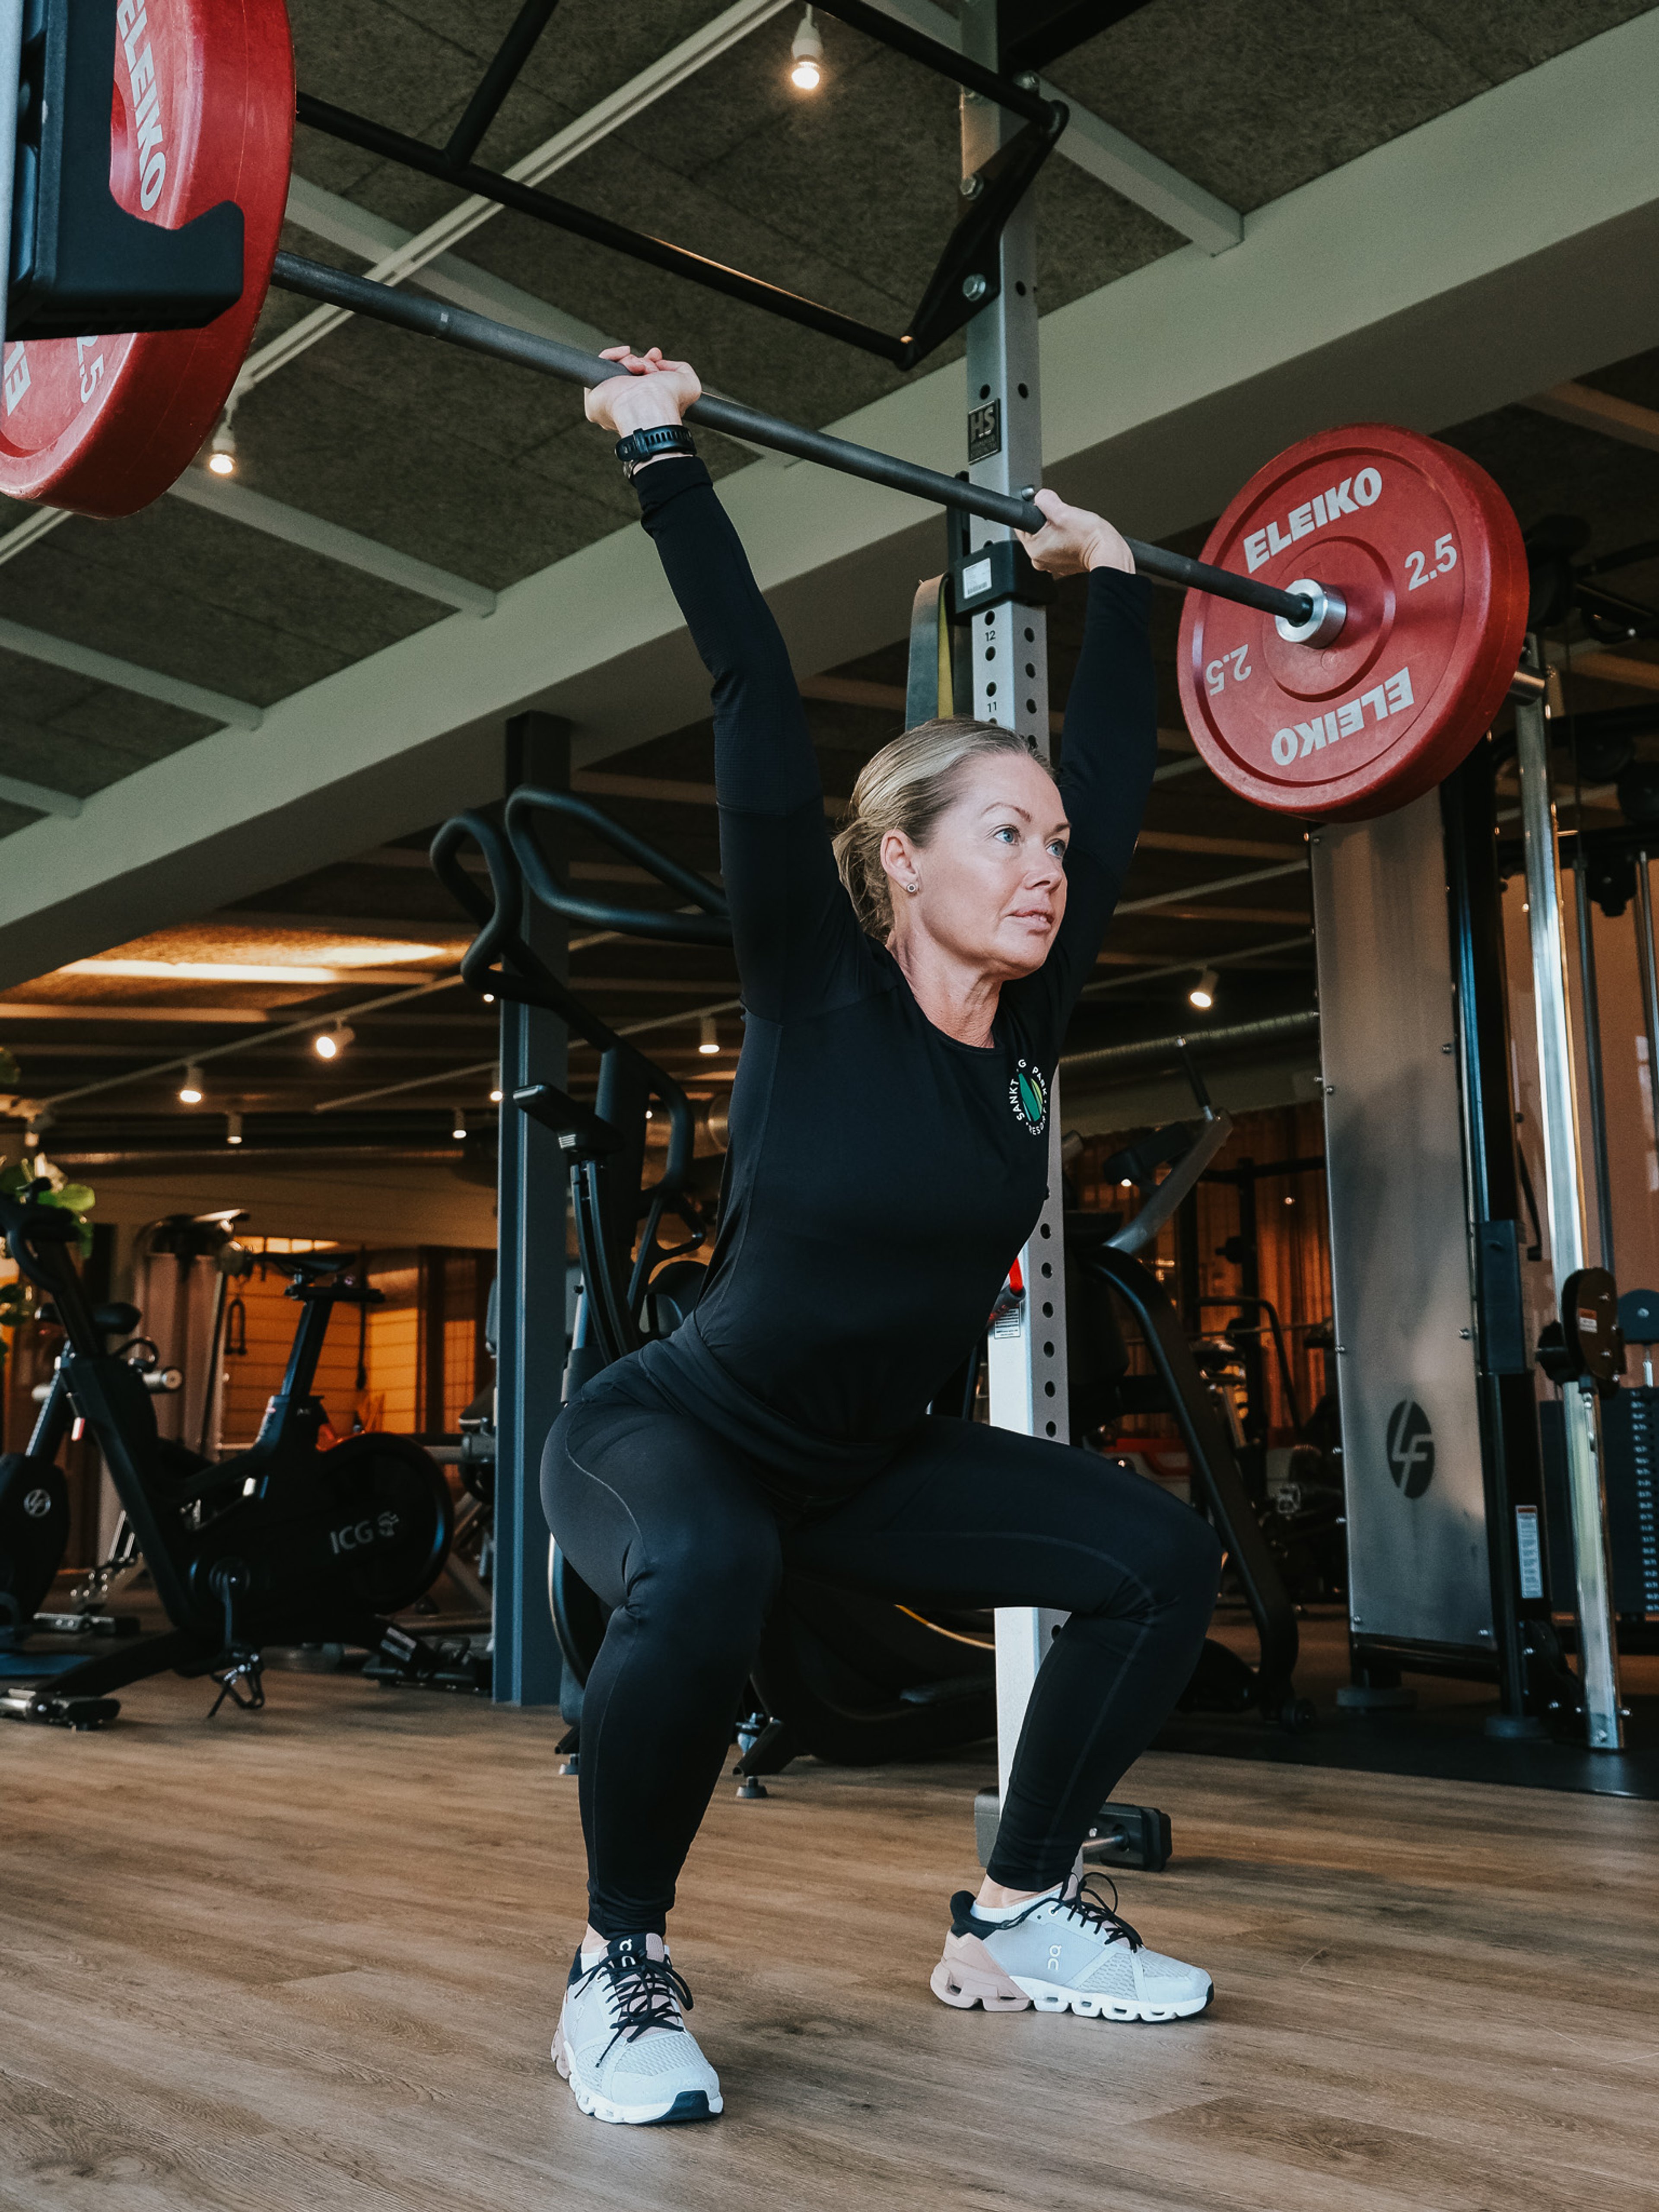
[[1028, 1096]]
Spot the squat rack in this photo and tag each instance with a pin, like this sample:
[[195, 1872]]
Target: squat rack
[[986, 280]]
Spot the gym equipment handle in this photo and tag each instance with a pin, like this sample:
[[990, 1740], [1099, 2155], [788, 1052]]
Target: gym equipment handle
[[361, 295], [712, 927]]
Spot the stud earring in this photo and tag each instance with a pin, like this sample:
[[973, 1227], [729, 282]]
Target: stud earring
[[913, 887]]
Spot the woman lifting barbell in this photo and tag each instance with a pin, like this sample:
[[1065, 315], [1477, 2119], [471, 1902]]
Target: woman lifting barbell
[[907, 990]]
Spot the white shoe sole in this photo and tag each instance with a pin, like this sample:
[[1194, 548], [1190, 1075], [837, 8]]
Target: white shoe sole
[[1055, 1997], [968, 1975], [685, 2104]]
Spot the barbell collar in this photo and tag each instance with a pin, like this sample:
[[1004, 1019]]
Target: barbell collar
[[1326, 613]]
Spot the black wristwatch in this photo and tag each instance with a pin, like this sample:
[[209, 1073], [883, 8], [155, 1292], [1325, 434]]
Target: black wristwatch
[[641, 446]]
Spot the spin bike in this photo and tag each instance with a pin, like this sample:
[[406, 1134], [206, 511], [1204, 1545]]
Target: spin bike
[[34, 1505], [281, 1544], [850, 1678]]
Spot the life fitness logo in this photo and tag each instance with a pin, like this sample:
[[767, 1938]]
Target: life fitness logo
[[38, 1504], [1028, 1096], [1411, 1448], [358, 1535]]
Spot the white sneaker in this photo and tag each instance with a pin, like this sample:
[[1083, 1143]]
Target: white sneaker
[[1067, 1953], [621, 2044]]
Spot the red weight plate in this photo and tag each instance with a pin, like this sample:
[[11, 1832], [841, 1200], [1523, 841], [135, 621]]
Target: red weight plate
[[1427, 553], [204, 92]]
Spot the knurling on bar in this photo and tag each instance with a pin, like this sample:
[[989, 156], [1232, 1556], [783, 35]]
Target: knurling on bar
[[361, 295]]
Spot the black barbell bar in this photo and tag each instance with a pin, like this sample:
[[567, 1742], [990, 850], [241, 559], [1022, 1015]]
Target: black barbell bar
[[361, 295]]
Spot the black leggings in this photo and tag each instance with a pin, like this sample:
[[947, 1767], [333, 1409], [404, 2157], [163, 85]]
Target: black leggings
[[673, 1527]]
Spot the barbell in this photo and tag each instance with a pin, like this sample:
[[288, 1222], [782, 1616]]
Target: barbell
[[1334, 695]]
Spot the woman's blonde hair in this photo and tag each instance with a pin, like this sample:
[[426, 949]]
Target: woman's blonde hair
[[906, 787]]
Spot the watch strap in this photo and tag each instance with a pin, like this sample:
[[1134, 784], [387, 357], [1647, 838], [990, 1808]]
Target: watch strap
[[641, 446]]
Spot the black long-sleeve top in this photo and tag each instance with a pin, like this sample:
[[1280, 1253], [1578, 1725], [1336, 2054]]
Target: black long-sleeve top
[[881, 1177]]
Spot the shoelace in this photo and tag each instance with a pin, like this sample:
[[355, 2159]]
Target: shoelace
[[647, 1992], [1091, 1907]]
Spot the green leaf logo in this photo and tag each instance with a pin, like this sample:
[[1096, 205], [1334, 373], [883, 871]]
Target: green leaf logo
[[1029, 1097]]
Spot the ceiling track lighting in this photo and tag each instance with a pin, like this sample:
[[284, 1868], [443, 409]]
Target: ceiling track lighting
[[806, 56], [330, 1043], [1203, 995], [190, 1090], [233, 1129], [709, 1040], [457, 1126]]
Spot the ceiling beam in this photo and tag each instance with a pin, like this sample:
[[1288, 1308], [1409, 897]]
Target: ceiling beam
[[1139, 177], [1295, 867], [1590, 409], [78, 1010], [1235, 957], [1279, 917], [316, 1021], [599, 784], [1106, 154], [17, 792], [23, 535], [325, 214], [342, 223], [1332, 310], [889, 698], [236, 503], [127, 676]]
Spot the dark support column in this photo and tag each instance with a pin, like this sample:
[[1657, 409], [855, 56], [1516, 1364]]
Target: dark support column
[[432, 1302], [1188, 1267], [531, 1235]]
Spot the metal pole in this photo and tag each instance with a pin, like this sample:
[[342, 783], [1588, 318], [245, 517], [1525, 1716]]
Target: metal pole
[[1594, 1081], [1598, 1648], [361, 295], [1650, 967], [1026, 1351], [11, 70], [531, 1270]]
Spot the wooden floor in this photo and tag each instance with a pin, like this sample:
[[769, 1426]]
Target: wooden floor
[[310, 1958]]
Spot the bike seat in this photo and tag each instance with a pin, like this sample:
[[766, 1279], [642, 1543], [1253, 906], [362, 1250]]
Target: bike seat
[[115, 1320], [311, 1267]]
